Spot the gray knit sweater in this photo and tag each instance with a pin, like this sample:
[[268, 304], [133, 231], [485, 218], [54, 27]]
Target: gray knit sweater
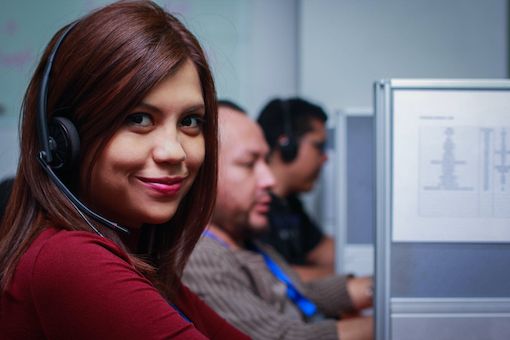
[[238, 285]]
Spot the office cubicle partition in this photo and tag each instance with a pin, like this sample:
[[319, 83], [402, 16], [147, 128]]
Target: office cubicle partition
[[442, 209], [350, 177]]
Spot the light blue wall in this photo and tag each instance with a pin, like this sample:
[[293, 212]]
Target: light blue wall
[[347, 45], [251, 46], [330, 51]]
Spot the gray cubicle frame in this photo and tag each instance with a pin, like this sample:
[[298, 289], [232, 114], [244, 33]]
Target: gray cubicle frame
[[361, 254], [384, 304]]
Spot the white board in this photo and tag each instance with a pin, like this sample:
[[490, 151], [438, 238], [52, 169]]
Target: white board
[[451, 165]]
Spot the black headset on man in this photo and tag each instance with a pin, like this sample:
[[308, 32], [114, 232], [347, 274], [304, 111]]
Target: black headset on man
[[60, 144], [288, 145]]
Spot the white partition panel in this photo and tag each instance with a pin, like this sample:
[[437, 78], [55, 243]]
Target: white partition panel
[[443, 209]]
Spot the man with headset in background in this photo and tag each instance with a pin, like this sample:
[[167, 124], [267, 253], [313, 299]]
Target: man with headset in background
[[296, 134], [246, 281]]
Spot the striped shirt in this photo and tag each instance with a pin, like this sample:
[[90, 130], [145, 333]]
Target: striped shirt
[[240, 287]]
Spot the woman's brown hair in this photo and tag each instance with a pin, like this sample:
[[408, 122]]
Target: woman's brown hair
[[105, 66]]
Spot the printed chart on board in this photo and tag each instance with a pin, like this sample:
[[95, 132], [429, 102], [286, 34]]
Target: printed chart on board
[[451, 165]]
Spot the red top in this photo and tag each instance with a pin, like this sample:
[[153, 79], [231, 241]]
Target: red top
[[77, 285]]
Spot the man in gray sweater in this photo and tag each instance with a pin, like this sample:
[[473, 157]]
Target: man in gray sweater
[[248, 283]]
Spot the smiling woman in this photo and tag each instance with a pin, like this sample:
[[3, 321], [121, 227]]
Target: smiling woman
[[152, 160], [116, 181]]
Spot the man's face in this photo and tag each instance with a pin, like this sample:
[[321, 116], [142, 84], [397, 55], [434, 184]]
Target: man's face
[[244, 177], [304, 170]]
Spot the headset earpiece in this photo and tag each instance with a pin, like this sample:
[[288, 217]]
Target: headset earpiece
[[288, 148], [64, 143], [287, 144], [60, 145]]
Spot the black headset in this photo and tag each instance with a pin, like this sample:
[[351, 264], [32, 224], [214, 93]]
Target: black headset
[[288, 145], [60, 144]]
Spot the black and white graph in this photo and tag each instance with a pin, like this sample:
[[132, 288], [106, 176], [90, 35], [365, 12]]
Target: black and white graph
[[464, 171], [451, 165]]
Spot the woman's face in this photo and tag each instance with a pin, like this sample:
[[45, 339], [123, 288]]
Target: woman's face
[[150, 163]]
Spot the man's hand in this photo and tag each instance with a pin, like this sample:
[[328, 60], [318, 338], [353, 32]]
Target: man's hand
[[361, 291]]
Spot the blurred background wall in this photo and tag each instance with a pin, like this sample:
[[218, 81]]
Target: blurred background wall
[[345, 45], [328, 51]]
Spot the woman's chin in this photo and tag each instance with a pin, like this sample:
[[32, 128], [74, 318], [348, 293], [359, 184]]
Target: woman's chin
[[159, 218]]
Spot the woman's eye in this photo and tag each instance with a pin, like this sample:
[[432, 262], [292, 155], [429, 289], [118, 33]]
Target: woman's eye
[[193, 121], [139, 119]]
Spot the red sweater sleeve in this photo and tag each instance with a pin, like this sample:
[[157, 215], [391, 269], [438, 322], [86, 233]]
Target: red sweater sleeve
[[76, 285]]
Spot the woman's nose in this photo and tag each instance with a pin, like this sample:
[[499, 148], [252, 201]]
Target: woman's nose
[[169, 149]]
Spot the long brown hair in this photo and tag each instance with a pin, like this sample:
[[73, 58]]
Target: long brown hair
[[105, 66]]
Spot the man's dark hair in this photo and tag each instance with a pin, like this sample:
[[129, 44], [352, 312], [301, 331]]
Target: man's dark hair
[[301, 113], [231, 105]]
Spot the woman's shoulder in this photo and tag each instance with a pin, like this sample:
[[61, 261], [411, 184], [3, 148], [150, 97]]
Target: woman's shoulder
[[67, 266], [75, 282], [72, 246], [65, 256]]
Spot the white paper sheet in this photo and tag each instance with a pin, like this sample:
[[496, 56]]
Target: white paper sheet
[[451, 166]]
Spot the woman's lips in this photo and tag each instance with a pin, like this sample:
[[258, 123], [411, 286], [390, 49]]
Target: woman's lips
[[164, 186]]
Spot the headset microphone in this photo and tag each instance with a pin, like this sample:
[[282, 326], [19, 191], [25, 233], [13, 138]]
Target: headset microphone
[[60, 145]]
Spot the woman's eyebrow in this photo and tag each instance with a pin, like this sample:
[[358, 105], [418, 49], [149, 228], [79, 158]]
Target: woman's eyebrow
[[193, 108], [147, 106], [198, 108]]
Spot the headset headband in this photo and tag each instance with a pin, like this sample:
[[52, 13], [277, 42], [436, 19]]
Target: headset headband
[[48, 143], [42, 123]]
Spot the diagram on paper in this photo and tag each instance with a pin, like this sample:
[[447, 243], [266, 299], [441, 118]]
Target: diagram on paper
[[464, 171]]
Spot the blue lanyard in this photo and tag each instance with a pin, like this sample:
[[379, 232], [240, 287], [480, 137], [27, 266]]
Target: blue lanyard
[[181, 313], [307, 307], [210, 234]]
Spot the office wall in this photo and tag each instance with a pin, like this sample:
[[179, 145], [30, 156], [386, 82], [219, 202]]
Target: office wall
[[251, 46], [327, 50], [346, 45], [241, 38]]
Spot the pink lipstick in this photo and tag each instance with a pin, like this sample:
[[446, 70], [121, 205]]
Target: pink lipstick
[[163, 185]]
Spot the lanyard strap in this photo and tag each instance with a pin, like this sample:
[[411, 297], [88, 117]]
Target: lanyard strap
[[307, 307], [211, 235], [181, 313]]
